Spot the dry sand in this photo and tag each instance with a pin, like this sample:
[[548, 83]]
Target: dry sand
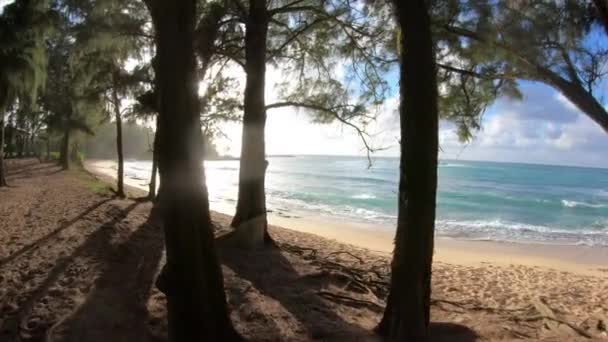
[[78, 265]]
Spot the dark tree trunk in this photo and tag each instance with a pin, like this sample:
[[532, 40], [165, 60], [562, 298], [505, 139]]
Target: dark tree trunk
[[153, 176], [120, 190], [19, 142], [10, 137], [196, 302], [601, 6], [48, 148], [26, 145], [407, 315], [64, 153], [2, 172], [32, 145], [251, 204], [578, 95]]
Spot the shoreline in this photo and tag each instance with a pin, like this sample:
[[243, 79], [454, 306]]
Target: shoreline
[[580, 259]]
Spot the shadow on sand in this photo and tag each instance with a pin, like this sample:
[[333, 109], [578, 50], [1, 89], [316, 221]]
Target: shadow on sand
[[115, 310], [273, 275]]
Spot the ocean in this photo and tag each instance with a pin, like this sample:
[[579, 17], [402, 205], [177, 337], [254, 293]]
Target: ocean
[[476, 200]]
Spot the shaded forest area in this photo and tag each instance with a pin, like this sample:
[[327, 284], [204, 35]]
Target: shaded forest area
[[69, 69]]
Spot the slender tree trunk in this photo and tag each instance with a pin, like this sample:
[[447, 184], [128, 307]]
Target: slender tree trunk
[[10, 144], [48, 148], [120, 191], [407, 315], [196, 302], [19, 142], [64, 153], [33, 147], [251, 204], [153, 176], [2, 171]]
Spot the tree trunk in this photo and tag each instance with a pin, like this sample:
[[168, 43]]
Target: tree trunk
[[578, 95], [407, 315], [601, 7], [153, 176], [48, 148], [120, 191], [196, 302], [19, 142], [251, 205], [64, 154], [2, 172]]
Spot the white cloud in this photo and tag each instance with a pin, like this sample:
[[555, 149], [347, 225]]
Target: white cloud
[[545, 128]]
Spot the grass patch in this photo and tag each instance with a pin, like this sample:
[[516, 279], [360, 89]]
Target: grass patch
[[91, 182]]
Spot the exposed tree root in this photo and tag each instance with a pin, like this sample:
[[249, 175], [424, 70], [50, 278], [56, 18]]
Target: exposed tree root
[[347, 300], [554, 319]]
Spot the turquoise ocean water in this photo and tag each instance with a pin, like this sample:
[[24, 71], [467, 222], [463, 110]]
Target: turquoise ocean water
[[476, 200]]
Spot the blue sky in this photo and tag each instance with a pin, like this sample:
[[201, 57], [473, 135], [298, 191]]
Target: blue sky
[[542, 128]]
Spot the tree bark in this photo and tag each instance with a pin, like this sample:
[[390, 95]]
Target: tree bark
[[2, 171], [407, 314], [48, 148], [152, 185], [19, 146], [601, 7], [196, 302], [251, 203], [578, 95], [64, 154], [120, 191]]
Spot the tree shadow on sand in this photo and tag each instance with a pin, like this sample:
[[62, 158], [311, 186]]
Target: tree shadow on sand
[[30, 169], [274, 275], [52, 234], [100, 240], [115, 310]]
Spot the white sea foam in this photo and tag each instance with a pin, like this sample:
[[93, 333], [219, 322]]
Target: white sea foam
[[364, 196], [498, 230], [453, 165], [575, 204]]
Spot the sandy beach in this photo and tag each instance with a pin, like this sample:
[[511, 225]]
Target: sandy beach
[[77, 264]]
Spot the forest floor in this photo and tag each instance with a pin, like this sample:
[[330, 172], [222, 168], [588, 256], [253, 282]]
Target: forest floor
[[77, 264]]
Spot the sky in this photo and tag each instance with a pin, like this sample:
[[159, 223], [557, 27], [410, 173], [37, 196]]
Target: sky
[[543, 127]]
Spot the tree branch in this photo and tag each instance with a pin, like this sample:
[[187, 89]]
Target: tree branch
[[332, 111]]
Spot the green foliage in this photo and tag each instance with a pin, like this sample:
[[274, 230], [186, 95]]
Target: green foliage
[[485, 47], [24, 24], [92, 183]]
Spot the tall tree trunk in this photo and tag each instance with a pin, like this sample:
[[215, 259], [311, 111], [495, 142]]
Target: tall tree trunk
[[2, 172], [32, 145], [64, 153], [196, 302], [153, 176], [19, 141], [10, 144], [26, 145], [48, 148], [251, 204], [407, 315], [120, 191]]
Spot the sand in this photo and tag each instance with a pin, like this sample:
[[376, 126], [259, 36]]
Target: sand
[[78, 265]]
